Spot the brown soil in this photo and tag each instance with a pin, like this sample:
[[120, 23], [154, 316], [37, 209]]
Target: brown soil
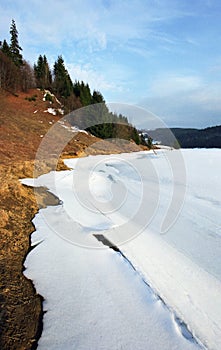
[[22, 130]]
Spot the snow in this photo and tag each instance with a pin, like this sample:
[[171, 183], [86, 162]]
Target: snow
[[163, 212], [61, 111], [73, 129], [51, 111], [47, 92], [76, 129]]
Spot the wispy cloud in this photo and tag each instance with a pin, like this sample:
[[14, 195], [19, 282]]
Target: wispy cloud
[[185, 101], [86, 73], [96, 24], [172, 84]]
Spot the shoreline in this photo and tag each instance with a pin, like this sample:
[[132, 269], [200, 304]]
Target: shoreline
[[21, 310], [20, 304], [46, 198], [22, 132]]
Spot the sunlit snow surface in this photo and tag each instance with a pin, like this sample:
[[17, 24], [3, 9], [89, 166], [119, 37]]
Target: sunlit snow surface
[[93, 297]]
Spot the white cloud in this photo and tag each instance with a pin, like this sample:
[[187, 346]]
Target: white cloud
[[87, 74], [173, 84], [185, 101], [209, 97], [95, 23]]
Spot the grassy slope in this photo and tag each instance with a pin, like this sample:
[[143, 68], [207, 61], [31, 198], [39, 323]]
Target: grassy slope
[[21, 130]]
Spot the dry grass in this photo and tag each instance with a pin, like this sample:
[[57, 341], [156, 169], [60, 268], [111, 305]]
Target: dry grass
[[21, 131]]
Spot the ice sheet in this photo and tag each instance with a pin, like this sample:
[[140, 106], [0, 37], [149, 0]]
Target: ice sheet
[[93, 297]]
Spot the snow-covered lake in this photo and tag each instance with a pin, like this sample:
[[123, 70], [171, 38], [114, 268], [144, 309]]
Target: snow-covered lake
[[162, 290]]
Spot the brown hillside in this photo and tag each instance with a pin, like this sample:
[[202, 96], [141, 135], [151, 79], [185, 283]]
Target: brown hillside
[[20, 130], [23, 124]]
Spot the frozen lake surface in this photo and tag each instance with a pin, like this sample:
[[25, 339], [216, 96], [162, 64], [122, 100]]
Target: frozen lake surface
[[162, 289]]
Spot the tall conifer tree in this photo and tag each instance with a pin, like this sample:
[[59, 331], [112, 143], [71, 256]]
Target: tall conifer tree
[[63, 85], [15, 49], [42, 73]]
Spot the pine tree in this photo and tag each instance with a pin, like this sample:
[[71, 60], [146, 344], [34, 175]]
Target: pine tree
[[5, 48], [83, 91], [85, 94], [77, 88], [38, 69], [15, 49], [47, 72], [97, 97], [42, 73], [63, 85]]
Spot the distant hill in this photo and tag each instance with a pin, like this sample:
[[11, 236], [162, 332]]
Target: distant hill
[[188, 138]]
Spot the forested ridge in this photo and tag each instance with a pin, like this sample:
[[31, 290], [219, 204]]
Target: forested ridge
[[189, 138], [16, 74]]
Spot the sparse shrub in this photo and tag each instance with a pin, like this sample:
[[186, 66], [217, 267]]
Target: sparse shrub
[[31, 98], [48, 97]]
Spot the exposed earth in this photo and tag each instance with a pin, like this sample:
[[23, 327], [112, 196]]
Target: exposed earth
[[24, 121]]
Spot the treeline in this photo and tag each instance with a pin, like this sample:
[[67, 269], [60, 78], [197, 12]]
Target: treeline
[[72, 95], [18, 75], [189, 138], [199, 138]]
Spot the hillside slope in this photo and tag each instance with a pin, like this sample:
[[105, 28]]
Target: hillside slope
[[24, 121]]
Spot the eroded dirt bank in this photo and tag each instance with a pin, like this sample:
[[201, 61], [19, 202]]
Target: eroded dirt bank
[[20, 307]]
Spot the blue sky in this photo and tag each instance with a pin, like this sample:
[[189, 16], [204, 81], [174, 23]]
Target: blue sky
[[162, 55]]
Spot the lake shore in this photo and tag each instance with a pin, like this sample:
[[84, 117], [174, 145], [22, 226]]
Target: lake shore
[[21, 308], [23, 126]]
